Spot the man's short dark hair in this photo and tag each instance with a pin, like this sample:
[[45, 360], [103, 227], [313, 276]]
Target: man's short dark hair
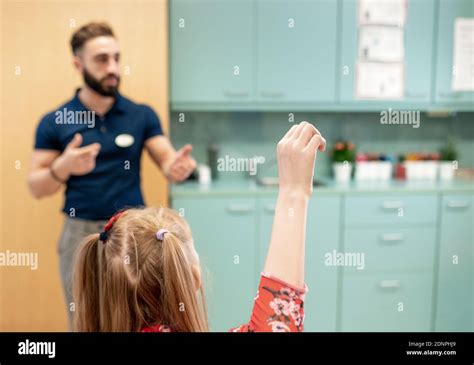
[[89, 31]]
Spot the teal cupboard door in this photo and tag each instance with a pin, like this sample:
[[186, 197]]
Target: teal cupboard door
[[322, 237], [455, 304], [418, 57], [396, 301], [296, 51], [449, 10], [224, 232], [211, 51]]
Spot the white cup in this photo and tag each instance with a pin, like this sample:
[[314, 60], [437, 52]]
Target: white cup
[[204, 172]]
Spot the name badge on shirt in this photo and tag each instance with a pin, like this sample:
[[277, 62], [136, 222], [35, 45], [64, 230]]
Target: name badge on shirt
[[124, 140]]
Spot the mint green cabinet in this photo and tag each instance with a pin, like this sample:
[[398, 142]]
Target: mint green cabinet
[[387, 302], [224, 233], [392, 248], [246, 55], [367, 210], [417, 271], [418, 57], [296, 51], [448, 11], [455, 290], [302, 55], [389, 252], [322, 237], [211, 48]]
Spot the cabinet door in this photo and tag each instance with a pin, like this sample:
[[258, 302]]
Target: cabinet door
[[449, 10], [418, 56], [296, 51], [391, 248], [224, 232], [211, 51], [322, 236], [387, 302], [455, 307]]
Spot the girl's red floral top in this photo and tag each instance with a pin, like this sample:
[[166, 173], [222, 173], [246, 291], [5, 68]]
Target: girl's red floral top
[[278, 307]]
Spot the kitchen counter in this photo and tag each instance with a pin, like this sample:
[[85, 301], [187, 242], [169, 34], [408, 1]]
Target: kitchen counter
[[246, 187]]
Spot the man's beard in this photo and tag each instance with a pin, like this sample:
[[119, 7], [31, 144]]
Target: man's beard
[[97, 86]]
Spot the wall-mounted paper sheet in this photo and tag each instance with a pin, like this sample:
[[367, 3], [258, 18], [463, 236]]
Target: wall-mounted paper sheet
[[385, 44], [382, 12], [463, 55], [376, 80]]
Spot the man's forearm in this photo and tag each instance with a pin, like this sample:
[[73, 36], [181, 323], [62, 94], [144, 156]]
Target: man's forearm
[[161, 152], [42, 182], [286, 254]]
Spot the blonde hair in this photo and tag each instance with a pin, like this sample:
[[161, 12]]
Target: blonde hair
[[133, 280]]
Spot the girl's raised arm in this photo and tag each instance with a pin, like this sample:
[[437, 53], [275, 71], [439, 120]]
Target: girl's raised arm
[[279, 305], [296, 157]]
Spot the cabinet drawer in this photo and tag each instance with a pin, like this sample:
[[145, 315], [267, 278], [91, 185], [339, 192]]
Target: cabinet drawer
[[369, 210], [391, 248], [385, 303]]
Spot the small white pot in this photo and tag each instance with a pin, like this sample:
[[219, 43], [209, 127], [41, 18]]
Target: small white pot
[[342, 171], [365, 171], [446, 170], [421, 170], [384, 170], [413, 170]]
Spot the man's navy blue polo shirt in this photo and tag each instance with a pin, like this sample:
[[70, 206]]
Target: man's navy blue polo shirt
[[115, 181]]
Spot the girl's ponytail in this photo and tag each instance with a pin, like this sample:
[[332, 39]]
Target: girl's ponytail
[[86, 286], [180, 305]]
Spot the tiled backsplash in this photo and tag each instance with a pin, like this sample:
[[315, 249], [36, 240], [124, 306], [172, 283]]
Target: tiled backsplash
[[247, 134]]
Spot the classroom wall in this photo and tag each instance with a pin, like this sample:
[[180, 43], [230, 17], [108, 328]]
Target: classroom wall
[[36, 76]]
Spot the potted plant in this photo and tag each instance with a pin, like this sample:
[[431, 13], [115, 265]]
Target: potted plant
[[448, 163], [343, 156]]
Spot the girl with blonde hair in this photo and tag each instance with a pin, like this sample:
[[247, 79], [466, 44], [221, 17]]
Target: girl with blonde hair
[[142, 272]]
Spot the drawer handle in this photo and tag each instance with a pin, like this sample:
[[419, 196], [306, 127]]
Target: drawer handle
[[272, 94], [237, 208], [392, 237], [234, 94], [392, 205], [389, 284], [269, 208], [458, 204]]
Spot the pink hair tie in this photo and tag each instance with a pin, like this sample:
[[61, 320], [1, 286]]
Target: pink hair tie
[[160, 234]]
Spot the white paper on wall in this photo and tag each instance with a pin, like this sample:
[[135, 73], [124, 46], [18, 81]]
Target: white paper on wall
[[385, 44], [382, 12], [463, 55], [376, 80]]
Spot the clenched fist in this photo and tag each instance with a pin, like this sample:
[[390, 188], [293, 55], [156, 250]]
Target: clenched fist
[[296, 153]]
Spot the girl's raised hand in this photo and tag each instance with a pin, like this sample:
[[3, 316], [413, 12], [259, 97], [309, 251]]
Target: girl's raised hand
[[296, 154]]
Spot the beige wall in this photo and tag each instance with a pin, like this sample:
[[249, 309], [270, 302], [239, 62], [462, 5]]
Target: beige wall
[[34, 37]]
